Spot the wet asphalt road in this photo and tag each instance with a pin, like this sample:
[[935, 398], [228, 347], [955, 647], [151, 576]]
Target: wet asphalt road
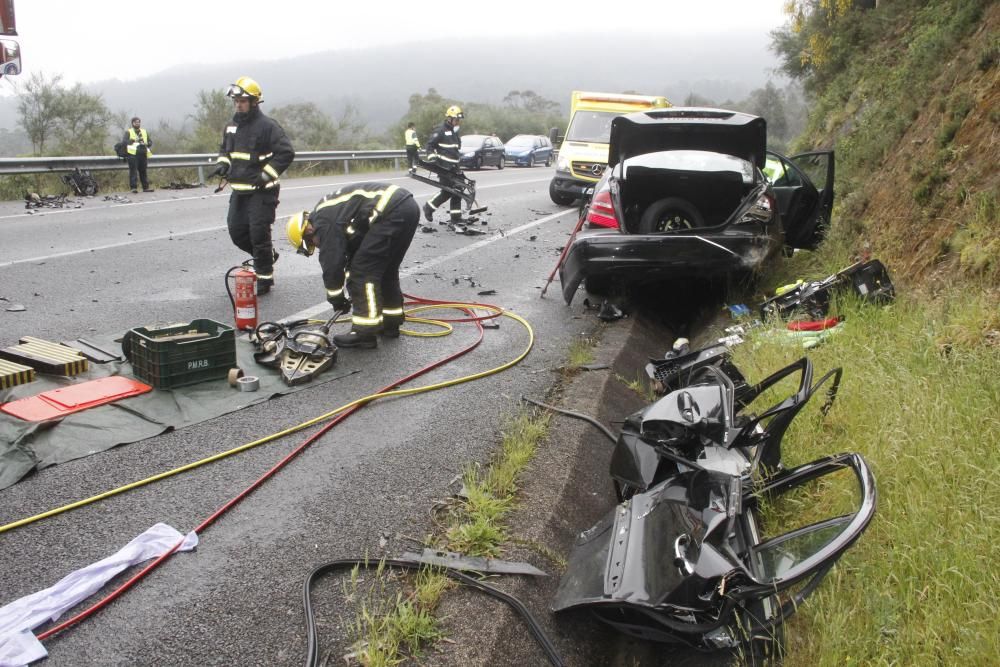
[[365, 488]]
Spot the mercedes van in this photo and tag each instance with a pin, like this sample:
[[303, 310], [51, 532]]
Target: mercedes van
[[584, 151]]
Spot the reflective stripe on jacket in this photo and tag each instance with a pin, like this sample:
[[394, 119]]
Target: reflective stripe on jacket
[[341, 221], [444, 145], [134, 139], [257, 151]]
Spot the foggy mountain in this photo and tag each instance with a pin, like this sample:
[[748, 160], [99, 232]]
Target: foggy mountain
[[379, 81]]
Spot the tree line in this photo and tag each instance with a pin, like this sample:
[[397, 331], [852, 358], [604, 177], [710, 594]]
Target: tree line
[[59, 120]]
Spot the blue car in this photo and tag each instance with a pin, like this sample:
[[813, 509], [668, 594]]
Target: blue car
[[527, 150]]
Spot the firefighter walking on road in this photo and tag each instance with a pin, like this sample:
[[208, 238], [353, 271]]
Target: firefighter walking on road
[[255, 151], [444, 150], [363, 232], [412, 145]]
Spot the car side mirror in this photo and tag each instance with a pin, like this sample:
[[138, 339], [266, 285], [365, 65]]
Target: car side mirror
[[10, 57]]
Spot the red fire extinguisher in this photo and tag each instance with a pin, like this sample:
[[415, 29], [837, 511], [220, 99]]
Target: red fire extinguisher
[[245, 299]]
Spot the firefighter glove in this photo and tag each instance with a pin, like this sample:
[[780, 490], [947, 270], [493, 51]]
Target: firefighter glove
[[261, 179], [221, 170], [339, 302]]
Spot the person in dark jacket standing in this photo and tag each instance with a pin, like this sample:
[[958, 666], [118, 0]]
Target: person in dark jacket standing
[[444, 150], [363, 232], [138, 147], [255, 151]]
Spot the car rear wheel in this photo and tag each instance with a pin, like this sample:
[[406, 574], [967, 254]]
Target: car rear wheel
[[668, 215], [548, 161], [502, 163]]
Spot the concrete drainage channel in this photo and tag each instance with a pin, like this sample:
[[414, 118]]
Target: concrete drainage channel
[[567, 490]]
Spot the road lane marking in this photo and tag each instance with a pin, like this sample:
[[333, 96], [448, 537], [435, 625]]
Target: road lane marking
[[163, 237]]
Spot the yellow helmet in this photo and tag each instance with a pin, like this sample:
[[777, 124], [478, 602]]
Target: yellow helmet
[[454, 111], [246, 87], [296, 229]]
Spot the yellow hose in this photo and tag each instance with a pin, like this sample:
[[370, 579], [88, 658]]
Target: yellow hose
[[294, 429]]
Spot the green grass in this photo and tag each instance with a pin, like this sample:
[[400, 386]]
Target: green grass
[[389, 628], [919, 401], [581, 353], [640, 386]]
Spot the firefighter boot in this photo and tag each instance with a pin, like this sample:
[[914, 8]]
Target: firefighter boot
[[428, 212], [390, 331], [264, 285], [356, 339]]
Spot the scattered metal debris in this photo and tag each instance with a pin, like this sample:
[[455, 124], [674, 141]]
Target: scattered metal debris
[[34, 200], [176, 185], [869, 280], [117, 199]]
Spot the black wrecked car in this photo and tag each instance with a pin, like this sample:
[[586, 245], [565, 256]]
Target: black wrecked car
[[693, 192]]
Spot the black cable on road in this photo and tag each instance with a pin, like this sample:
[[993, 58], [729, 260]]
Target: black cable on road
[[312, 642]]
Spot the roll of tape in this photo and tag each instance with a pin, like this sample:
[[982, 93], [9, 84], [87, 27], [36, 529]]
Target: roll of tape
[[234, 375], [248, 383]]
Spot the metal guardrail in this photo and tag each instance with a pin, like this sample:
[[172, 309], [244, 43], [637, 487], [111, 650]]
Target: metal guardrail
[[51, 165]]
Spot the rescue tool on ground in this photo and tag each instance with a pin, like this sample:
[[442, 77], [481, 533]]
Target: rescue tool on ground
[[301, 350]]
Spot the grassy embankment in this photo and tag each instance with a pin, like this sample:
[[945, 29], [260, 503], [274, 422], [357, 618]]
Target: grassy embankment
[[914, 118]]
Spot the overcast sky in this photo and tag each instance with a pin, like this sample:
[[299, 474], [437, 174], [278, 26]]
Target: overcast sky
[[106, 39]]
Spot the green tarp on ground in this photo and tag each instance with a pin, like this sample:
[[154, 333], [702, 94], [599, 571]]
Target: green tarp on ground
[[26, 446]]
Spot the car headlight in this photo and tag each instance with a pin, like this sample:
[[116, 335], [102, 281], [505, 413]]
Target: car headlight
[[563, 163], [468, 155]]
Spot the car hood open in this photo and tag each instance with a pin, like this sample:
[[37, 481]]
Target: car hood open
[[688, 128]]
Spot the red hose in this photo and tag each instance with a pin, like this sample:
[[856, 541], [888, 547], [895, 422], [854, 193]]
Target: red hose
[[97, 606]]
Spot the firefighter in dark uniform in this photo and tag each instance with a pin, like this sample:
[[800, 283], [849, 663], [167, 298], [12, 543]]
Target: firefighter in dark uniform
[[363, 232], [444, 150], [254, 153]]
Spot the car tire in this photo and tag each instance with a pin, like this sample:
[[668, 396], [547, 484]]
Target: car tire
[[560, 198], [548, 161], [502, 163], [668, 215], [477, 164]]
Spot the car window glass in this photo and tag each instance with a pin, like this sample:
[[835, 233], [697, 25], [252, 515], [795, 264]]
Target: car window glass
[[779, 556], [780, 173], [798, 522], [591, 126], [815, 167]]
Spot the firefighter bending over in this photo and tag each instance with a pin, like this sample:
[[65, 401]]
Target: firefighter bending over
[[255, 151], [444, 150], [363, 232]]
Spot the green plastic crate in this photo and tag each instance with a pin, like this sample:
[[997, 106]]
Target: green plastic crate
[[166, 364]]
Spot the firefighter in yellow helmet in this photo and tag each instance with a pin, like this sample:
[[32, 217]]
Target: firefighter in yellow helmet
[[255, 151], [363, 232], [444, 149]]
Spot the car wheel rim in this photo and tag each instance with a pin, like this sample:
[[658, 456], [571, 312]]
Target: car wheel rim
[[672, 221]]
